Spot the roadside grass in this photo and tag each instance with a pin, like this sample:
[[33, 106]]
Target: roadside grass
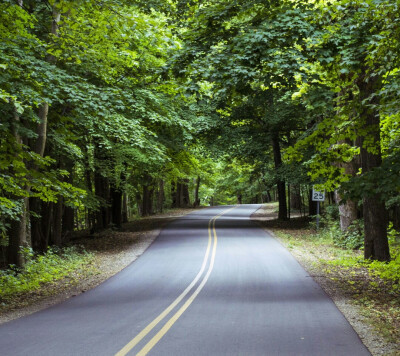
[[41, 271], [374, 286]]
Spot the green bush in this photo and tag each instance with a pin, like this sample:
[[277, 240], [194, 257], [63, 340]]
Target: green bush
[[54, 265], [387, 271], [352, 238]]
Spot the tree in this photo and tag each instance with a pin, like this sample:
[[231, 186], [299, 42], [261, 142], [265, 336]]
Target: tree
[[248, 53]]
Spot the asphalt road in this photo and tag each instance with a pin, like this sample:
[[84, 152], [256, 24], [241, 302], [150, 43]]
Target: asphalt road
[[213, 283]]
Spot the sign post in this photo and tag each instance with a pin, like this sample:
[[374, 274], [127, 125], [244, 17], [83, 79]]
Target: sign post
[[318, 196]]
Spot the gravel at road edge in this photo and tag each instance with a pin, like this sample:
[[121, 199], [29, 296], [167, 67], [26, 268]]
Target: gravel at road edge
[[375, 343]]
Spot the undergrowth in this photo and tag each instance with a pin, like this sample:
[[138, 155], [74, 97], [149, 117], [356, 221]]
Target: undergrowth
[[54, 265], [373, 285], [389, 272]]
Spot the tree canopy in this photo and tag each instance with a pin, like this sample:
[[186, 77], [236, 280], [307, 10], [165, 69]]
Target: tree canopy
[[116, 108]]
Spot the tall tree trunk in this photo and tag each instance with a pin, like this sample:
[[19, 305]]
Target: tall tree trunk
[[280, 184], [92, 215], [102, 191], [312, 205], [179, 195], [212, 201], [161, 196], [174, 194], [17, 234], [148, 191], [42, 129], [347, 210], [295, 197], [185, 193], [196, 202], [46, 221], [39, 227], [289, 203], [68, 222], [57, 222], [125, 216], [376, 244], [116, 206], [139, 204]]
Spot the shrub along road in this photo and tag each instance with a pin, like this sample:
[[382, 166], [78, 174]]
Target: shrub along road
[[213, 283]]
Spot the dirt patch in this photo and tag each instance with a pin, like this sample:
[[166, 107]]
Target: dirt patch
[[350, 289]]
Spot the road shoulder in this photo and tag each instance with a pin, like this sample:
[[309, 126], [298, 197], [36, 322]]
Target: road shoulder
[[309, 260]]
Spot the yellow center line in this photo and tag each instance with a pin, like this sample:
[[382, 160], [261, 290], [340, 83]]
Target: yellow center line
[[144, 351], [151, 326], [157, 320]]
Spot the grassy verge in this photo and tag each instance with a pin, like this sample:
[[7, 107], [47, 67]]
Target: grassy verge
[[40, 272], [374, 286]]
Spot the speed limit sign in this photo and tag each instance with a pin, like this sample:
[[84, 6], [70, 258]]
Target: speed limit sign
[[318, 195]]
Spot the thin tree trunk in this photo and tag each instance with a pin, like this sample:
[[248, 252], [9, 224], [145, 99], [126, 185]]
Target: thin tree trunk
[[125, 217], [68, 222], [289, 203], [116, 206], [196, 202], [280, 184], [102, 192], [57, 224], [46, 224], [179, 195], [17, 237], [295, 198], [17, 233], [312, 205], [139, 204], [185, 193], [42, 129], [161, 196], [147, 202], [174, 194]]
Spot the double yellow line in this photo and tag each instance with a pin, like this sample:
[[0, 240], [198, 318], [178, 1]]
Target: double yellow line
[[212, 241]]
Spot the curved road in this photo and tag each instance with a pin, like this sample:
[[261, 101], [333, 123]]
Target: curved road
[[212, 283]]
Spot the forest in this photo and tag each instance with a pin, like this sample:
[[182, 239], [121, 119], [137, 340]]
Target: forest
[[112, 109]]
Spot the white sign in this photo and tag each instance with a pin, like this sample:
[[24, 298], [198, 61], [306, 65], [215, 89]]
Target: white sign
[[318, 196]]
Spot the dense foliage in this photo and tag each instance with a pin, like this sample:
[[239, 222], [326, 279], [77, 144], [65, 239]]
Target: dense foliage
[[116, 108]]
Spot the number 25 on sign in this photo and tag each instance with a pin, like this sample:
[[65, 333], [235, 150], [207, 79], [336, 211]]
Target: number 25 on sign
[[317, 195]]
